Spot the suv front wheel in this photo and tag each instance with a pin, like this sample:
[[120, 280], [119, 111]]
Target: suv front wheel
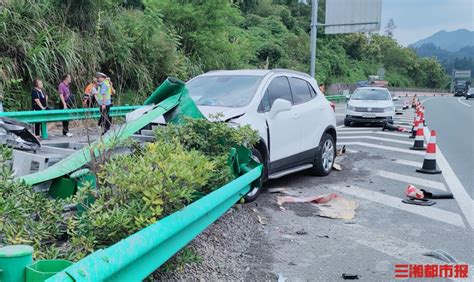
[[325, 156], [255, 191]]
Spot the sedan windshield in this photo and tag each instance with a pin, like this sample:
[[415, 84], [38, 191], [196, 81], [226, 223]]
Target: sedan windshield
[[233, 91], [371, 94]]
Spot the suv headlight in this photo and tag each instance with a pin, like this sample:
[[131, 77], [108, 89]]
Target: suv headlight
[[350, 108], [389, 109]]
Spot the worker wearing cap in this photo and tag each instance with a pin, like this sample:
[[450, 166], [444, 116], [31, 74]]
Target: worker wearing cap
[[103, 97]]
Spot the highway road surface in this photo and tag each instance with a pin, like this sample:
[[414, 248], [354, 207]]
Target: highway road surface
[[296, 244]]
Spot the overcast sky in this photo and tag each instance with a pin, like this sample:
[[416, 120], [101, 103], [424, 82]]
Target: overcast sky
[[418, 19]]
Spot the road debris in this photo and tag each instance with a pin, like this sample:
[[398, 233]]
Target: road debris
[[337, 167], [330, 205], [350, 276], [341, 151], [260, 220], [276, 190], [419, 202], [390, 127], [441, 255], [301, 232], [438, 195], [281, 278]]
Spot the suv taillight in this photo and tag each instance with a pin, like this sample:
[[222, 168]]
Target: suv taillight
[[333, 106]]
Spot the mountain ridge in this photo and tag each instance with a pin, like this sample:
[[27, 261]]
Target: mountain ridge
[[451, 41]]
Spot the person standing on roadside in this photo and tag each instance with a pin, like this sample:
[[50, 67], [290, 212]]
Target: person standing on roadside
[[66, 101], [39, 102], [88, 100], [322, 88], [103, 97]]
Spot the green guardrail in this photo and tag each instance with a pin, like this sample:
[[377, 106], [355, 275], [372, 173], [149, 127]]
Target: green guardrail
[[336, 98], [139, 255], [44, 117]]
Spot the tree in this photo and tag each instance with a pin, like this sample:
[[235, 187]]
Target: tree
[[390, 28]]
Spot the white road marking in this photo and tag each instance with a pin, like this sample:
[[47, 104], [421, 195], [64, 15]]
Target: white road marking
[[409, 163], [376, 138], [412, 180], [460, 195], [404, 134], [393, 134], [400, 249], [424, 101], [356, 128], [465, 104], [382, 147], [351, 151], [394, 202], [355, 132]]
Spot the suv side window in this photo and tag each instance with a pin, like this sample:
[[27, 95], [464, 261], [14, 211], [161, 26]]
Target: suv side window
[[279, 88], [300, 90], [311, 89]]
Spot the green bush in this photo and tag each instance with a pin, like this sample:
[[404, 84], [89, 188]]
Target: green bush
[[134, 191], [26, 216]]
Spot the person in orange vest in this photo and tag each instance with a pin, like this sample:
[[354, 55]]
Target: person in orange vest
[[88, 99]]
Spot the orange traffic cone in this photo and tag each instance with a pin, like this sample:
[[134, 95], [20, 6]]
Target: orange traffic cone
[[415, 126], [429, 164], [419, 138]]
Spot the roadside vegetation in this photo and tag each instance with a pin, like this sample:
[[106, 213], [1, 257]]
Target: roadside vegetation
[[134, 191], [141, 42]]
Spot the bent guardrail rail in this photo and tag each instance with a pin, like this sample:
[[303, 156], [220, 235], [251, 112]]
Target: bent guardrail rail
[[139, 255], [44, 117]]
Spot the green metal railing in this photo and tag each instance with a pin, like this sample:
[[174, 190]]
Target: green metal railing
[[336, 98], [44, 117], [139, 255]]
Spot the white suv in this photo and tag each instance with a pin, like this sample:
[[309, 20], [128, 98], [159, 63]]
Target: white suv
[[296, 123], [370, 105]]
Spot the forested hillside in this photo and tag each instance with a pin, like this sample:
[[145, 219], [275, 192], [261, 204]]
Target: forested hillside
[[463, 59], [139, 43]]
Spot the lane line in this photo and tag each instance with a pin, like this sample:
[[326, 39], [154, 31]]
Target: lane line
[[382, 147], [355, 132], [394, 202], [357, 128], [424, 101], [460, 194], [393, 134], [403, 135], [465, 104], [412, 180], [409, 163], [400, 249], [376, 138]]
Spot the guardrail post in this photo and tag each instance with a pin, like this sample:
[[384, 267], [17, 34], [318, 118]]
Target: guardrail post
[[44, 130]]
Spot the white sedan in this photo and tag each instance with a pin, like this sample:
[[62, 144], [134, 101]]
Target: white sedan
[[370, 105]]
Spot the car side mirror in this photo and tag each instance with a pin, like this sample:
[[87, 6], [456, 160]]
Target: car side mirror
[[395, 98], [279, 105], [348, 96]]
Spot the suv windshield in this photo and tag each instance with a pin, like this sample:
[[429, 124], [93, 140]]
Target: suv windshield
[[371, 94], [231, 91]]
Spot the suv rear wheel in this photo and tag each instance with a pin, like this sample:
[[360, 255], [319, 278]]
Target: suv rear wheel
[[325, 156]]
